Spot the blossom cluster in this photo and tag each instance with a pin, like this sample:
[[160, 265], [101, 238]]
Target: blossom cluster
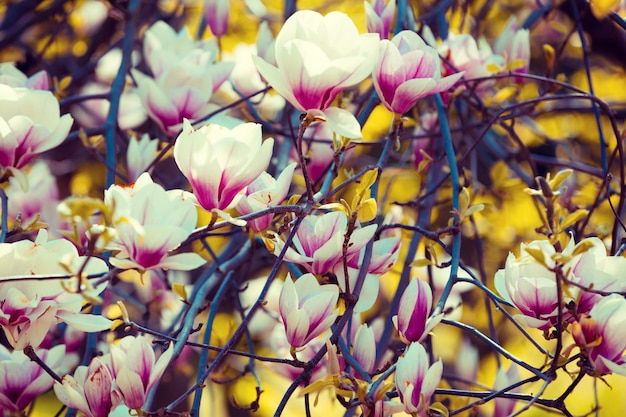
[[256, 223]]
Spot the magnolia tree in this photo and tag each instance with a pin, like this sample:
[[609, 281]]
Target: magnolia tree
[[402, 208]]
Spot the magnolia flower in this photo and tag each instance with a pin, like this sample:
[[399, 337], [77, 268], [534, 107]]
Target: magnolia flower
[[307, 308], [408, 70], [514, 45], [317, 57], [28, 308], [216, 15], [476, 59], [379, 17], [413, 322], [182, 92], [416, 380], [601, 335], [90, 390], [21, 380], [265, 192], [236, 157], [185, 76], [530, 286], [136, 369], [41, 183], [140, 155], [150, 222], [30, 124], [319, 242], [529, 282]]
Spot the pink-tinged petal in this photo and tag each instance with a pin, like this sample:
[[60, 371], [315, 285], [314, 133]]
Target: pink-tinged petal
[[219, 73], [504, 407], [315, 231], [276, 79], [368, 51], [39, 81], [521, 49], [14, 379], [369, 290], [288, 299], [431, 323], [318, 306], [387, 16], [432, 379], [408, 40], [499, 283], [291, 255], [32, 334], [303, 24], [328, 255], [8, 404], [131, 387], [322, 327], [532, 322], [216, 14], [296, 328], [365, 348], [422, 63], [188, 102], [71, 394], [283, 182], [448, 82], [85, 322], [390, 72], [125, 264], [265, 192], [256, 165], [160, 366], [611, 366], [184, 148], [182, 262], [414, 309], [373, 21], [314, 79], [342, 122], [150, 248], [385, 254], [410, 92], [369, 293], [158, 104], [140, 359], [97, 388], [307, 309], [359, 238], [537, 296], [16, 300]]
